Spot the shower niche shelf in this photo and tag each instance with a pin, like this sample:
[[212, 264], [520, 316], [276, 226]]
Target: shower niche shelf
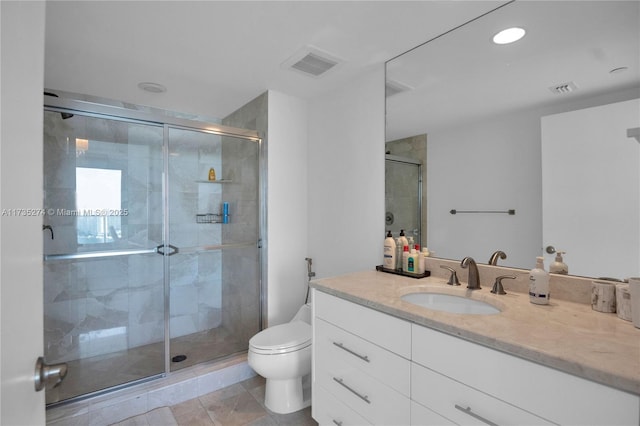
[[209, 218], [215, 181]]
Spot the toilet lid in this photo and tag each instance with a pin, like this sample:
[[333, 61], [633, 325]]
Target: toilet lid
[[287, 337]]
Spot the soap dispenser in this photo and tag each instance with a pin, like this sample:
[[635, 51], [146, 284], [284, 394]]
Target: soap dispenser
[[559, 267], [539, 283], [389, 252]]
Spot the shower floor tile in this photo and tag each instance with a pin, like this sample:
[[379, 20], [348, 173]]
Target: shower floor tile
[[102, 372]]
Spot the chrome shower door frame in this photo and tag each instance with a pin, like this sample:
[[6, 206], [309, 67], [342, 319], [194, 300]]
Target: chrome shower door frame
[[167, 122]]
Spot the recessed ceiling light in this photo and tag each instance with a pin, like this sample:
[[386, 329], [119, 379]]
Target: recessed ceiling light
[[509, 35], [152, 87]]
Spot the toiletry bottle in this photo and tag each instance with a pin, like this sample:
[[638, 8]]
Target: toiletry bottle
[[426, 252], [403, 239], [420, 264], [389, 261], [411, 262], [559, 267], [398, 254], [410, 242], [405, 258], [212, 174], [539, 283], [225, 212]]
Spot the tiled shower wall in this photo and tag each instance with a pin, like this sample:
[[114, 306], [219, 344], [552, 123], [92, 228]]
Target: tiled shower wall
[[241, 268], [97, 306], [195, 277]]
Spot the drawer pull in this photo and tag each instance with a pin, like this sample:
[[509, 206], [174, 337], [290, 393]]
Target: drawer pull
[[362, 357], [337, 423], [365, 398], [474, 415]]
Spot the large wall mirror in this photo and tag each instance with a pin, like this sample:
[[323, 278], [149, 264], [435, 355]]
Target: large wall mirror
[[532, 144]]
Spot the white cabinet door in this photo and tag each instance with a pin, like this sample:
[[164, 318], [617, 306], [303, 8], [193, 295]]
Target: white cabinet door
[[21, 188]]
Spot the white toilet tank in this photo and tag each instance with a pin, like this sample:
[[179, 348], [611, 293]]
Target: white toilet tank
[[303, 314]]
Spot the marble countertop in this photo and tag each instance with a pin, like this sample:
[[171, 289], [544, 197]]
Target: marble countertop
[[568, 336]]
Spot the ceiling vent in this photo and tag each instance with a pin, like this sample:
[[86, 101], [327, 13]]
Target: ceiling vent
[[393, 87], [312, 62], [564, 88]]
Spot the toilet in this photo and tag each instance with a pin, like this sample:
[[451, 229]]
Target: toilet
[[282, 355]]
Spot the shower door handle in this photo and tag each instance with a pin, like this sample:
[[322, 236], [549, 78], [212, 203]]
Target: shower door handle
[[49, 373], [160, 249]]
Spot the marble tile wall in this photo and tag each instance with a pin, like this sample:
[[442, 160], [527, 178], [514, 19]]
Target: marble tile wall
[[195, 277], [101, 305], [241, 267]]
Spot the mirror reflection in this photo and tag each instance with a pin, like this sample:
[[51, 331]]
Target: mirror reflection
[[542, 127]]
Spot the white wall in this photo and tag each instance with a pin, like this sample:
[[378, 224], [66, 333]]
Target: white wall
[[346, 176], [287, 147], [22, 76], [492, 165], [591, 189]]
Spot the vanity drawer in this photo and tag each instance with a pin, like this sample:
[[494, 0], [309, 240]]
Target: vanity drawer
[[384, 330], [370, 398], [327, 410], [423, 416], [334, 345], [462, 404], [523, 383]]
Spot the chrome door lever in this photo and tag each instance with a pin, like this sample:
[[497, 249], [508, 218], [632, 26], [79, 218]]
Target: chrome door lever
[[47, 373]]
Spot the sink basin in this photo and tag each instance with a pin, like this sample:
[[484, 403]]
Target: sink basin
[[450, 303]]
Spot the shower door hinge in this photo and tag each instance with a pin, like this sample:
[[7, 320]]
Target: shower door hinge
[[259, 242], [160, 249]]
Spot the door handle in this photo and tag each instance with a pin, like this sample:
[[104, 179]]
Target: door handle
[[47, 373], [160, 249]]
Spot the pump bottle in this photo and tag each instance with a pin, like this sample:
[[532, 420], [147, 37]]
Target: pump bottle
[[389, 261], [559, 267], [539, 283], [403, 239]]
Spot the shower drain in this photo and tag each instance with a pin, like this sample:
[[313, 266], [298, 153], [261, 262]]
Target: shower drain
[[179, 358]]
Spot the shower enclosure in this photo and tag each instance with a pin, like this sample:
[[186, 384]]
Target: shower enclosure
[[143, 273], [403, 197]]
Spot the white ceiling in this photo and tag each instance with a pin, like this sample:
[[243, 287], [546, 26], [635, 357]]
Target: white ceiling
[[214, 56], [463, 76]]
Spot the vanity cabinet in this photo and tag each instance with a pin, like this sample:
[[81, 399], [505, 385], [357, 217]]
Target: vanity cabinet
[[373, 368], [361, 367], [459, 379]]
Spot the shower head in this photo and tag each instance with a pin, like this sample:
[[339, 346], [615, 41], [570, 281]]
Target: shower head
[[65, 115]]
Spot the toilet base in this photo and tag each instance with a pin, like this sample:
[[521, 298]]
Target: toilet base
[[285, 396]]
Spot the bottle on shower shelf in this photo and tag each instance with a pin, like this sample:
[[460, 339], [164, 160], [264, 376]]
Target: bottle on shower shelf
[[225, 212]]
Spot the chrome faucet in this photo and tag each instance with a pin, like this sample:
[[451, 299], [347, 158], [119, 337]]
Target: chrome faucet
[[497, 254], [474, 277]]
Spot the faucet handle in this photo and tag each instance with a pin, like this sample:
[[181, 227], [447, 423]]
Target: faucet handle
[[453, 279], [497, 286]]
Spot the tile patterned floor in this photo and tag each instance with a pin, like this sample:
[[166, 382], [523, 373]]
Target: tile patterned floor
[[239, 404]]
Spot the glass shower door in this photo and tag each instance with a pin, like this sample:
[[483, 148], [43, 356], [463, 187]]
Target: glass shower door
[[103, 280], [403, 197], [214, 266]]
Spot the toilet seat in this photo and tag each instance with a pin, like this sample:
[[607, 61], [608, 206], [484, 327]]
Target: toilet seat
[[282, 338]]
